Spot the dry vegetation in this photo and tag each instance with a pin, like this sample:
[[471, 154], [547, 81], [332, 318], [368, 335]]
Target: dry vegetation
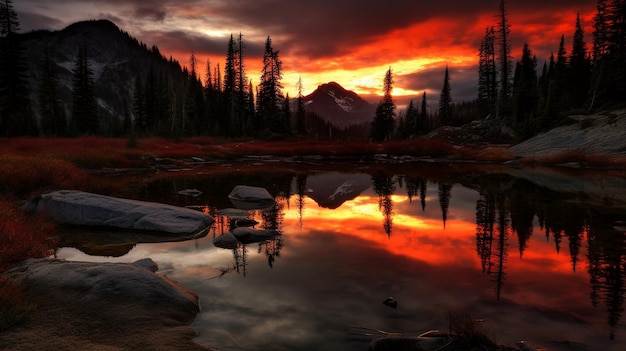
[[22, 236]]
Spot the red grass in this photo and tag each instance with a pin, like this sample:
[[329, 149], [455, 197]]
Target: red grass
[[22, 175], [23, 236]]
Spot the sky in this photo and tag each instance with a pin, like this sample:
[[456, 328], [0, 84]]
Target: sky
[[351, 42]]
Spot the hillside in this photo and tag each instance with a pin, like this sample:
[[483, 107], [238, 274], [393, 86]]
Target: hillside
[[116, 58]]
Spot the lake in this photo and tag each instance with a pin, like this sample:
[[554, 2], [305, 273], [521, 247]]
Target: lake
[[533, 254]]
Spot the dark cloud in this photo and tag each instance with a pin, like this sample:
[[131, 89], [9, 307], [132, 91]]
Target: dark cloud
[[180, 41], [463, 81], [32, 21]]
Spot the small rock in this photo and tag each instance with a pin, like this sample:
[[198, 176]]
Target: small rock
[[390, 302]]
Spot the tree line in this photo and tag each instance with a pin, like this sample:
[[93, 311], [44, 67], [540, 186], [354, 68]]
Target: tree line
[[514, 93], [225, 103]]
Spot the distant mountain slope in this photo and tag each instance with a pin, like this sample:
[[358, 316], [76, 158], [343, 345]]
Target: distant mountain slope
[[339, 106], [116, 58]]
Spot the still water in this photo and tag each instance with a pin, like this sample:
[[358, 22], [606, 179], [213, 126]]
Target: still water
[[537, 256]]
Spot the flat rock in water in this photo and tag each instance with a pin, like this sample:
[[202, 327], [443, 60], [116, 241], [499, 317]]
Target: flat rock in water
[[87, 209], [233, 213], [248, 235], [250, 197], [226, 241]]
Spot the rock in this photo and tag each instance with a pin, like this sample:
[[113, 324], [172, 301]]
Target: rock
[[251, 198], [133, 284], [390, 302], [87, 209], [226, 241], [148, 264], [245, 222], [233, 213], [249, 235], [190, 192]]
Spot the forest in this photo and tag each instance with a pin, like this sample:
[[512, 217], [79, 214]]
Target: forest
[[222, 101]]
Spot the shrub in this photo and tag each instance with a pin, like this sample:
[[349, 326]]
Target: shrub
[[23, 236], [468, 333]]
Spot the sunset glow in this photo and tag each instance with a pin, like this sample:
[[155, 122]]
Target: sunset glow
[[352, 43]]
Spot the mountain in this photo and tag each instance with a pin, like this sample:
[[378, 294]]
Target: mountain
[[116, 59], [339, 106]]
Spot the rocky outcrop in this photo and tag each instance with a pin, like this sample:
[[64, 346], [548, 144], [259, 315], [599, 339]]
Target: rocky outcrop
[[601, 134], [87, 209]]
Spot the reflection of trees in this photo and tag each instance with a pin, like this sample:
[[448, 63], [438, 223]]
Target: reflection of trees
[[414, 187], [241, 261], [522, 216], [518, 204], [423, 194], [501, 253], [301, 189], [607, 270], [273, 219], [445, 193], [384, 187], [485, 222]]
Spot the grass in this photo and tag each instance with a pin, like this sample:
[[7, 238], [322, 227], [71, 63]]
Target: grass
[[22, 236]]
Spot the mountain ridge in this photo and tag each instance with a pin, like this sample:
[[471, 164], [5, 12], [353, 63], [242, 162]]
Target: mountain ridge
[[116, 66]]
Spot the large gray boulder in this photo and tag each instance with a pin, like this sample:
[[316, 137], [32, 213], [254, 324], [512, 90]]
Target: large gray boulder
[[87, 209], [126, 284]]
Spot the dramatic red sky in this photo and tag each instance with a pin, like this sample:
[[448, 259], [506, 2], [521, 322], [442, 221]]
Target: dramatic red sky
[[352, 42]]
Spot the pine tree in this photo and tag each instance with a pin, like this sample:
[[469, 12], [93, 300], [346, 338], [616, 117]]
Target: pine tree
[[525, 93], [230, 86], [413, 125], [487, 76], [16, 115], [609, 49], [139, 107], [383, 124], [580, 68], [300, 110], [424, 123], [445, 101], [53, 119], [601, 30], [505, 62], [194, 101], [561, 74], [84, 106], [270, 97], [549, 112], [286, 112]]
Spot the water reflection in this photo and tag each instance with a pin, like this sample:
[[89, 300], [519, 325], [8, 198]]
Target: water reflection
[[489, 244]]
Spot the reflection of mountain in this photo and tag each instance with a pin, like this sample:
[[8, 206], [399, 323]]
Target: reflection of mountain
[[332, 189]]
